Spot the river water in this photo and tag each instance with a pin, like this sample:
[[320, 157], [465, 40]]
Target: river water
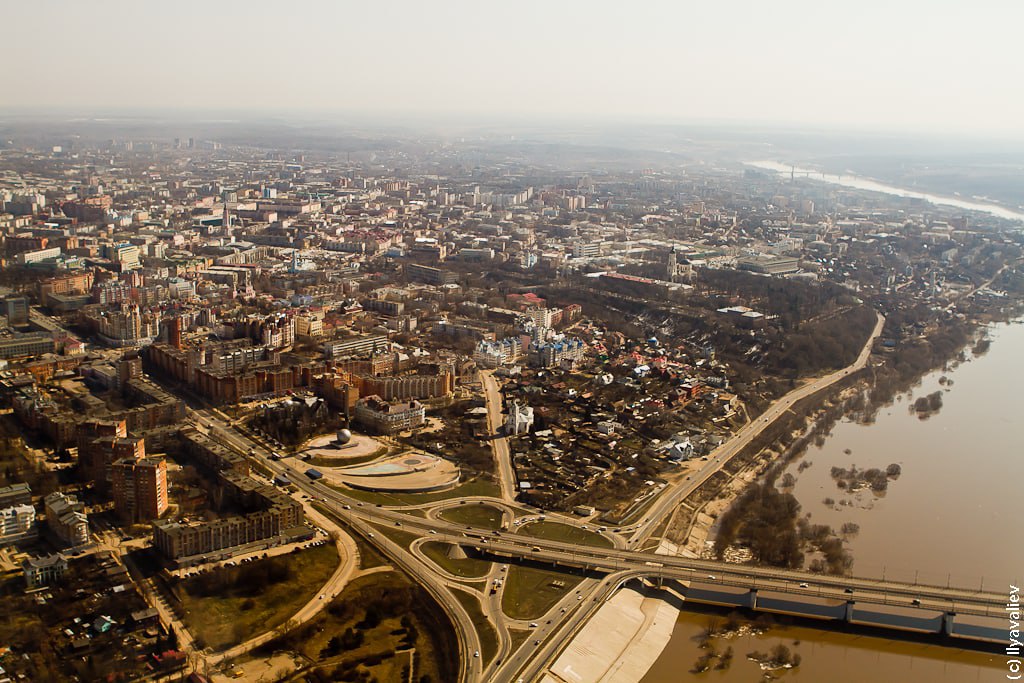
[[859, 183], [952, 516]]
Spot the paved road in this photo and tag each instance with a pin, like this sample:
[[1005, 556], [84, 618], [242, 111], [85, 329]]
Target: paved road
[[420, 569], [348, 555], [674, 494], [712, 572], [573, 611], [499, 444]]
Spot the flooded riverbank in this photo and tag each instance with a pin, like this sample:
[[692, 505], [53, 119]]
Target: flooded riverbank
[[949, 517]]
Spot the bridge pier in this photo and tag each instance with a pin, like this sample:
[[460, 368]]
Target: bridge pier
[[848, 613], [947, 623], [752, 598]]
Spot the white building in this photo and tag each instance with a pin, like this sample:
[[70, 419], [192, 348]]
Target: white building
[[519, 420], [491, 354], [542, 317], [17, 523], [549, 355]]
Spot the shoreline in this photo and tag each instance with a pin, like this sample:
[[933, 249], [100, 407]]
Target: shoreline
[[619, 644], [641, 630]]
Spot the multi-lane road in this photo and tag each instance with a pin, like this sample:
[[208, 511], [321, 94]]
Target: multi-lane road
[[673, 495], [618, 563], [499, 444]]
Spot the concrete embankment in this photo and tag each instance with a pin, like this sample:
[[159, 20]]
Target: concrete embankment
[[621, 641]]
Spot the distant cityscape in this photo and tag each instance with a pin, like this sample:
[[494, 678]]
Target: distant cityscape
[[517, 386]]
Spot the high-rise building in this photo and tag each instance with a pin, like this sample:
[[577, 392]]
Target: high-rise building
[[174, 332], [16, 310], [140, 488]]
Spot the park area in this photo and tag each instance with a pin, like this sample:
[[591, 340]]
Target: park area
[[230, 605]]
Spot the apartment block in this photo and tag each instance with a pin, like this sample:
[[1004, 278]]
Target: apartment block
[[140, 488]]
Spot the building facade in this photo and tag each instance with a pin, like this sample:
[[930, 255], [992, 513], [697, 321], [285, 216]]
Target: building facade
[[66, 518], [140, 488], [383, 417]]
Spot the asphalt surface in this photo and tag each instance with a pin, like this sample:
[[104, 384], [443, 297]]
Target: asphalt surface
[[619, 564]]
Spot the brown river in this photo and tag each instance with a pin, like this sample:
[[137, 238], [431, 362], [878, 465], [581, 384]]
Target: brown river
[[952, 516]]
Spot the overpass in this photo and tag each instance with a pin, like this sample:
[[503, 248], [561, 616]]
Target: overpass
[[753, 581]]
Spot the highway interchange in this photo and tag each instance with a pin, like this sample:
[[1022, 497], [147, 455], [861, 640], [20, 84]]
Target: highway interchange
[[606, 569]]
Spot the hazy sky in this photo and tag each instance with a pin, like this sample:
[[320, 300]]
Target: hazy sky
[[922, 64]]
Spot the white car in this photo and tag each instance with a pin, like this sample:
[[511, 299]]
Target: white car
[[476, 653]]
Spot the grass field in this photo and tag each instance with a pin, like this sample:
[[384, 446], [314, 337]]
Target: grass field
[[473, 487], [383, 615], [555, 531], [488, 636], [315, 461], [483, 516], [233, 616], [518, 637], [402, 538], [530, 592], [469, 568]]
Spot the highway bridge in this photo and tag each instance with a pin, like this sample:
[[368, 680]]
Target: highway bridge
[[949, 600], [932, 608]]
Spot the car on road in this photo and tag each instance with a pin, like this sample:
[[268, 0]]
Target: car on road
[[804, 585], [847, 590], [535, 549], [476, 653], [533, 624], [433, 531], [915, 601], [712, 577], [346, 507]]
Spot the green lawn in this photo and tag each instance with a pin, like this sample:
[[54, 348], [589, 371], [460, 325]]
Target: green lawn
[[404, 616], [518, 637], [484, 628], [396, 534], [316, 461], [530, 592], [483, 516], [473, 487], [233, 613], [555, 531], [469, 568]]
